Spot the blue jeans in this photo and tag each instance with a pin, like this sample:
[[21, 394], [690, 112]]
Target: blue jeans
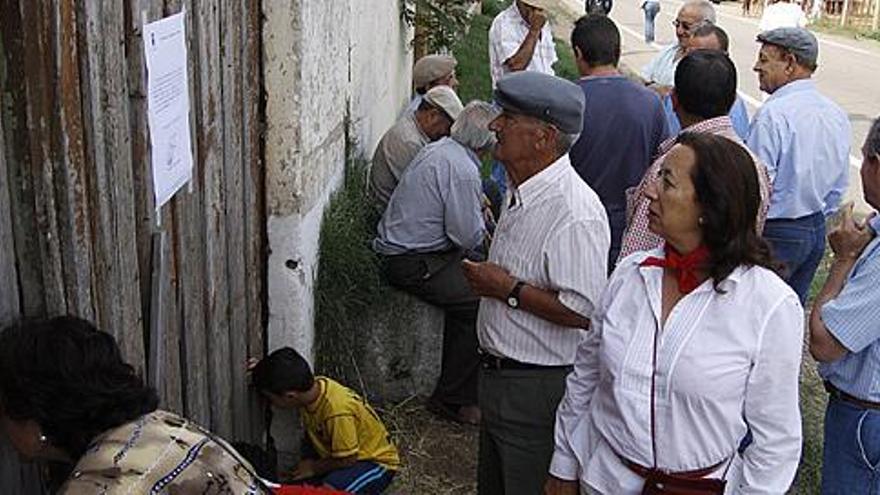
[[651, 9], [799, 244], [851, 457]]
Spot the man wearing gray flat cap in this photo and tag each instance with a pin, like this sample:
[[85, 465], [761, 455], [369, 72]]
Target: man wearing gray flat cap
[[431, 71], [545, 272], [804, 139]]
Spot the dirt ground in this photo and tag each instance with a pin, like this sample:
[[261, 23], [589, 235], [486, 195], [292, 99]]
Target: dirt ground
[[438, 457]]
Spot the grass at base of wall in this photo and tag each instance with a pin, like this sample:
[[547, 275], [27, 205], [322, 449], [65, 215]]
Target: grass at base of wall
[[348, 280]]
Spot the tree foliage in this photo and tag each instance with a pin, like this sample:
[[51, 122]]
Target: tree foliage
[[438, 23]]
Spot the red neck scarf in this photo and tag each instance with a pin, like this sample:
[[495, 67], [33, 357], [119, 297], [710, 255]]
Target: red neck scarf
[[686, 265]]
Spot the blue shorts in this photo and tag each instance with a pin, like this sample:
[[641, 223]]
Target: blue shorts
[[365, 477]]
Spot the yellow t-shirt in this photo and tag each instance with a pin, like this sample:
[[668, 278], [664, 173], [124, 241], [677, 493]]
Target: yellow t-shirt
[[341, 424]]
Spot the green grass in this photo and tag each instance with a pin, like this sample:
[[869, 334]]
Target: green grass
[[349, 282], [831, 25]]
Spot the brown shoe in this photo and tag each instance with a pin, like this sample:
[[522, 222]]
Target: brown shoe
[[468, 415]]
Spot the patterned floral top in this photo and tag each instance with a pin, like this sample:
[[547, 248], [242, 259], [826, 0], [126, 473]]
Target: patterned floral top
[[162, 453]]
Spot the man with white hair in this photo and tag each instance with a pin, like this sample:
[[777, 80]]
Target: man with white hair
[[435, 219], [520, 39], [660, 72]]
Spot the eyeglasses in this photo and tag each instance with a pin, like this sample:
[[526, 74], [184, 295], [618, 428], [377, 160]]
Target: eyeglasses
[[687, 26]]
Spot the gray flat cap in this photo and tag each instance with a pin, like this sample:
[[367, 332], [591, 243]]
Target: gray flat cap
[[432, 67], [542, 96], [798, 41]]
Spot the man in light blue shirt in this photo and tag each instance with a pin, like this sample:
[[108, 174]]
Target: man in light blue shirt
[[845, 339], [660, 71], [710, 37], [803, 138], [434, 219]]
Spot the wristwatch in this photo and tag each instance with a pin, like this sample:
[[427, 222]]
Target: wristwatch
[[513, 297]]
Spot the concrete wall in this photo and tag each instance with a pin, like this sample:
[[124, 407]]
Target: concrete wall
[[324, 61]]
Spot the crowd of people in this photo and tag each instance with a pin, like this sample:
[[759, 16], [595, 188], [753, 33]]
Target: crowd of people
[[630, 312], [623, 295]]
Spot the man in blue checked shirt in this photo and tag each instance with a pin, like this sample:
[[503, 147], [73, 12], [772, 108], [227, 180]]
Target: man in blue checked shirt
[[804, 139], [845, 339]]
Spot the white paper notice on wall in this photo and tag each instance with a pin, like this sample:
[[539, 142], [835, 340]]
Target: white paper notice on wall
[[168, 105]]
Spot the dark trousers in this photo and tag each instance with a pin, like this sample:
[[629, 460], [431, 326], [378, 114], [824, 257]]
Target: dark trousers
[[437, 278], [516, 430], [799, 243]]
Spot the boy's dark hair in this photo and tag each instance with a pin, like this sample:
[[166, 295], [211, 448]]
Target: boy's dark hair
[[283, 371], [598, 39], [705, 83]]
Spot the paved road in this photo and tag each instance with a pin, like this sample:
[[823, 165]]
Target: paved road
[[849, 70]]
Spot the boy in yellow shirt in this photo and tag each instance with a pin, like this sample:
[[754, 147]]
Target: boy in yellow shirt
[[354, 450]]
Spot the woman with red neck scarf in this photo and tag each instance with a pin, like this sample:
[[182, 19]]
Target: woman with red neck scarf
[[693, 345]]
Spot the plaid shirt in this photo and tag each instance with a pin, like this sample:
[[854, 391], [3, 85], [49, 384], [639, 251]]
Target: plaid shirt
[[637, 237]]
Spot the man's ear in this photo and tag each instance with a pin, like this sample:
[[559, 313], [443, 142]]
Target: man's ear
[[674, 96], [578, 54]]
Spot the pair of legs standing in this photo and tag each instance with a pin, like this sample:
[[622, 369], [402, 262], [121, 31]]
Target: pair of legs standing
[[799, 244], [651, 8], [516, 433]]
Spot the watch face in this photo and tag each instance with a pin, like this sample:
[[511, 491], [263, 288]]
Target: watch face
[[512, 302]]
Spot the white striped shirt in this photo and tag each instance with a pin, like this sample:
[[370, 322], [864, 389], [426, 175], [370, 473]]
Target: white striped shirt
[[555, 237], [506, 35]]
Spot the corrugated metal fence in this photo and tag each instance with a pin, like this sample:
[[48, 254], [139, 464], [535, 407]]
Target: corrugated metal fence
[[78, 232]]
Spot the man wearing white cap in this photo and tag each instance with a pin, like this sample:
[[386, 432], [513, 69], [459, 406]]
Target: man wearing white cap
[[407, 137], [429, 72], [520, 39]]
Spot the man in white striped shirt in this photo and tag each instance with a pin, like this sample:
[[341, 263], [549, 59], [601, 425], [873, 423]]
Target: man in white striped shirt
[[546, 270]]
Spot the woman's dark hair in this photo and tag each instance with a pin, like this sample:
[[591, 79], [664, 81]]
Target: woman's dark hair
[[283, 371], [69, 377], [726, 185]]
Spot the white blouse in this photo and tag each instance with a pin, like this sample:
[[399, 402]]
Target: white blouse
[[724, 363]]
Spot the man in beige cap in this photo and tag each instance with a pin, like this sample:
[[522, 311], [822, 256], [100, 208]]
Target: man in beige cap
[[520, 39], [429, 72], [397, 148]]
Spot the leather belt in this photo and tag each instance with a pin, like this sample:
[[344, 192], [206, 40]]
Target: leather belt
[[646, 472], [491, 362], [845, 397]]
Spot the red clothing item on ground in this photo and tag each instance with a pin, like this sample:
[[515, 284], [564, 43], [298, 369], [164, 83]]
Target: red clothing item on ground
[[306, 490]]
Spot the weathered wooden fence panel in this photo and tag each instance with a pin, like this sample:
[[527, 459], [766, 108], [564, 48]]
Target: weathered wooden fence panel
[[183, 291]]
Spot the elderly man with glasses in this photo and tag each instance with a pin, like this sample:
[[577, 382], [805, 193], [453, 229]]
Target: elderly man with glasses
[[660, 72]]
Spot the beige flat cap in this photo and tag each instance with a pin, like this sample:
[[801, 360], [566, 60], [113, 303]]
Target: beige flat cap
[[444, 97], [432, 67]]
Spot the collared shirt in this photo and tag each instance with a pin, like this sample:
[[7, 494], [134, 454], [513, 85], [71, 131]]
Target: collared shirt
[[739, 117], [507, 34], [637, 236], [161, 452], [624, 126], [661, 69], [853, 318], [725, 362], [395, 151], [340, 423], [555, 237], [413, 105], [437, 205], [803, 138]]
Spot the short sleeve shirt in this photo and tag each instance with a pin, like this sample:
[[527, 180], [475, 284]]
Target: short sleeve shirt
[[507, 34], [853, 317], [341, 424]]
